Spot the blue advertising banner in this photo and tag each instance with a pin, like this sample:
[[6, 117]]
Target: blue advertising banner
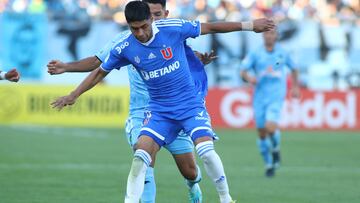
[[22, 41]]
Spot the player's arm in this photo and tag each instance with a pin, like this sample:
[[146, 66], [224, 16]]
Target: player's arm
[[89, 82], [295, 89], [247, 77], [258, 25], [84, 65], [13, 75], [247, 64]]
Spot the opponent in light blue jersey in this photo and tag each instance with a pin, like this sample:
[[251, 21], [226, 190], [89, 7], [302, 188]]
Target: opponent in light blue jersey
[[173, 102], [269, 65]]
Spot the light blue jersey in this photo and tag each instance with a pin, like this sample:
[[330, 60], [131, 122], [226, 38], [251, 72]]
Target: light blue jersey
[[270, 72], [167, 75]]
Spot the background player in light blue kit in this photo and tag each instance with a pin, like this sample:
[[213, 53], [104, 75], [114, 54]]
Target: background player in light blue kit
[[269, 64], [174, 103], [182, 147]]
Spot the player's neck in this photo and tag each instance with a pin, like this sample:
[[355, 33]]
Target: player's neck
[[269, 48]]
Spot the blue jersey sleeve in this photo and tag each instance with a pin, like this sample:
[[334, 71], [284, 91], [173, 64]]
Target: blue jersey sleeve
[[249, 62], [114, 60], [190, 29], [105, 51]]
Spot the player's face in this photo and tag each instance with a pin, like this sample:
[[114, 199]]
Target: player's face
[[142, 30], [270, 37], [158, 11]]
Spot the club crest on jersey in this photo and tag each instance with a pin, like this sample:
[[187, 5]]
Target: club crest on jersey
[[137, 59], [167, 53]]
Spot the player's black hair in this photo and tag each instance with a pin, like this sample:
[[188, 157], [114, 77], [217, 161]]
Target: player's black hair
[[162, 2], [137, 11]]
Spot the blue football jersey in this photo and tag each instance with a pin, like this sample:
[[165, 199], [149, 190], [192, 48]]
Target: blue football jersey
[[270, 71], [163, 66], [198, 72], [139, 97]]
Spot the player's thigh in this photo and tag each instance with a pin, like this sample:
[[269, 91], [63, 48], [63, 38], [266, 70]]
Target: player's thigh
[[259, 114], [273, 114], [163, 131], [132, 129]]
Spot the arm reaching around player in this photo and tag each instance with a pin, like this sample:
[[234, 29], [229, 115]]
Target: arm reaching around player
[[85, 65], [258, 25], [13, 75], [89, 82], [206, 58]]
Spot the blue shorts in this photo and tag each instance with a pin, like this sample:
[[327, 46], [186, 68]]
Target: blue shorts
[[164, 130], [181, 145], [267, 112]]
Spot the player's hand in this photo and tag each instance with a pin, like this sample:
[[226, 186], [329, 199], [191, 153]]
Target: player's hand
[[252, 80], [263, 25], [61, 102], [13, 75], [56, 67], [206, 57], [295, 92]]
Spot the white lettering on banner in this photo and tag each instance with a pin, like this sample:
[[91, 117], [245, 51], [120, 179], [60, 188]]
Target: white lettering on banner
[[242, 115], [161, 71], [317, 112]]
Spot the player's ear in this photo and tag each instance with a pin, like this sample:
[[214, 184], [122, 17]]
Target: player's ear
[[166, 13]]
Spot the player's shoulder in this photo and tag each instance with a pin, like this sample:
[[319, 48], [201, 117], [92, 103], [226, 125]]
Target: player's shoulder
[[169, 22], [121, 41], [173, 23], [121, 36]]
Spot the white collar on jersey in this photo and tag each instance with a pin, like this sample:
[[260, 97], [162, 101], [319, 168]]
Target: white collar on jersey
[[155, 31]]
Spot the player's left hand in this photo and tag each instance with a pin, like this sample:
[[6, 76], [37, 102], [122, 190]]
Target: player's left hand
[[263, 25], [61, 102], [206, 57], [13, 75]]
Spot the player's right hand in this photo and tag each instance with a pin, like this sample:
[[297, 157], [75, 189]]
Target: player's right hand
[[13, 75], [263, 25], [61, 102], [56, 67]]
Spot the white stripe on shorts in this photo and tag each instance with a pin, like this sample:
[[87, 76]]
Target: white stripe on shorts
[[199, 128], [154, 133]]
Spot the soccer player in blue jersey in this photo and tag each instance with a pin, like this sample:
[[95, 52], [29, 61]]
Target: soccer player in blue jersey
[[174, 103], [182, 147], [269, 63]]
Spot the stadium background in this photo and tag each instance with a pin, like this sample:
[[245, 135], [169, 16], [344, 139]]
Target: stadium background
[[80, 154]]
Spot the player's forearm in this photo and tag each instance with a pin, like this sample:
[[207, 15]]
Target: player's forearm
[[90, 81], [245, 76], [295, 77], [83, 65], [220, 27]]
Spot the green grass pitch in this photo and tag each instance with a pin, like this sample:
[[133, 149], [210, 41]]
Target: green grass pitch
[[73, 165]]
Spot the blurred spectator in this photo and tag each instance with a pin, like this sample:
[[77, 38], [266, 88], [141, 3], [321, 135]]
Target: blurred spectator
[[75, 23]]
